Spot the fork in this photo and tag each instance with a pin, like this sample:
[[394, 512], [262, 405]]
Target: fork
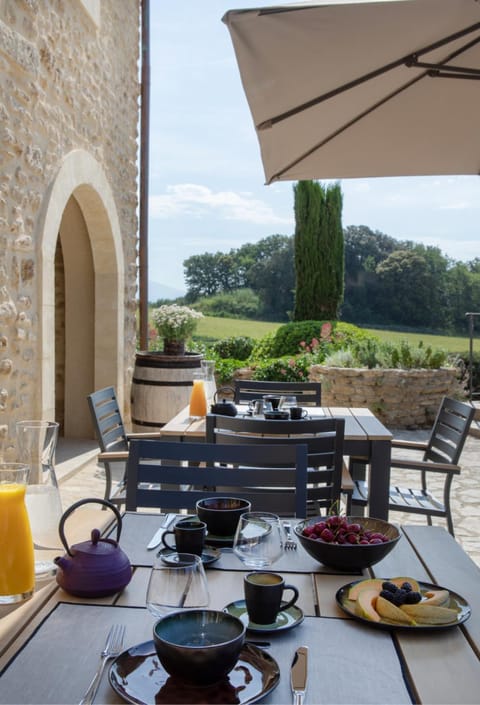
[[112, 649], [290, 543]]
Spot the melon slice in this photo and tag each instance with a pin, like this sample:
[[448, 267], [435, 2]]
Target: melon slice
[[430, 614], [365, 604], [388, 610], [370, 584], [436, 597]]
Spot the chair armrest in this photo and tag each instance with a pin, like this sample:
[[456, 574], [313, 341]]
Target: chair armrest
[[112, 456], [427, 465], [347, 482], [146, 435], [412, 445]]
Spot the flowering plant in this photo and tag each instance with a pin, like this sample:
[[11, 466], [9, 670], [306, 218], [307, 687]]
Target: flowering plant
[[174, 322]]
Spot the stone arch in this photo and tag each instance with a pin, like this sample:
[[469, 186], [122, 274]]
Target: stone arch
[[81, 188]]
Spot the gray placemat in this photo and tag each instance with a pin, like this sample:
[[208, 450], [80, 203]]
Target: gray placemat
[[138, 529], [348, 663]]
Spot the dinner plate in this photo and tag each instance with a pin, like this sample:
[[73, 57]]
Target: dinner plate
[[138, 677], [456, 602], [286, 619], [210, 554]]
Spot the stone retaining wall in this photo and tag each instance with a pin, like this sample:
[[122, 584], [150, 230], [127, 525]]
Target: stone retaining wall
[[399, 398]]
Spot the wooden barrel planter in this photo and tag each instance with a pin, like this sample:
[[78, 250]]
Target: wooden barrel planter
[[161, 387]]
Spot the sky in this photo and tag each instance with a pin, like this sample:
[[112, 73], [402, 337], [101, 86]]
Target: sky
[[207, 191]]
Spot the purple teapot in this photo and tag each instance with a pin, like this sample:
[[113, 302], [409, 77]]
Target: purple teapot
[[94, 568]]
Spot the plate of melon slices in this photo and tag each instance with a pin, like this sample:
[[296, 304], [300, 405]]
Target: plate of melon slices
[[402, 603]]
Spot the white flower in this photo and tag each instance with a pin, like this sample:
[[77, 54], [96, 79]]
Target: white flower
[[175, 322]]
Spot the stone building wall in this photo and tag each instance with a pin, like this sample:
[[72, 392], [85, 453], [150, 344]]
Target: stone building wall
[[69, 85], [399, 398]]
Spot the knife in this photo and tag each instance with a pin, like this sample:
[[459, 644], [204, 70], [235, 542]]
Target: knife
[[298, 675], [157, 536]]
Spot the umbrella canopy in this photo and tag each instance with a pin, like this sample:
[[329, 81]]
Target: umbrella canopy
[[362, 89]]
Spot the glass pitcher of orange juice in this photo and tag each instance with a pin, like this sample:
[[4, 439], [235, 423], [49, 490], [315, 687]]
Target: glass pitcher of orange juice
[[17, 574], [198, 397]]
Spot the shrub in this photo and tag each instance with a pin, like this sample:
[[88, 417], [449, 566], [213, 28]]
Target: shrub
[[401, 355], [285, 369], [290, 338], [241, 303], [238, 347]]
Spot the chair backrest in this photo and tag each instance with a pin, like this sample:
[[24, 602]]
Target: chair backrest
[[307, 393], [107, 420], [450, 431], [272, 477], [323, 436]]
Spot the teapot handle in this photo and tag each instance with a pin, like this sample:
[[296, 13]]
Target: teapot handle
[[222, 389], [88, 500]]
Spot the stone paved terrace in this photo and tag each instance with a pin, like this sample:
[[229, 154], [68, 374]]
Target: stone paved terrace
[[89, 482]]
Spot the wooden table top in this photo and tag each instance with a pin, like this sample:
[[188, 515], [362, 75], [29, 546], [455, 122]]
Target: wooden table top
[[360, 423], [50, 650]]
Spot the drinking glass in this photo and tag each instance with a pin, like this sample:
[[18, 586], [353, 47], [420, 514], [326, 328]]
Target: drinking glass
[[208, 369], [198, 398], [17, 578], [287, 402], [177, 582], [36, 445], [258, 540]]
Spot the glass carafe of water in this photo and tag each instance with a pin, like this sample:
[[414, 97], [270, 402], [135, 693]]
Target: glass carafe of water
[[208, 369], [36, 445]]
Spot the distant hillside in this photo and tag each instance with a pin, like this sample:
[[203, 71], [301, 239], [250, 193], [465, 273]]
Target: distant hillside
[[160, 291]]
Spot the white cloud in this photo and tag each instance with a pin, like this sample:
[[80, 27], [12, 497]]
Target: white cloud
[[199, 201]]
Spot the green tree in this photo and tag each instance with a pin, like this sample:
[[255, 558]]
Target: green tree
[[319, 253]]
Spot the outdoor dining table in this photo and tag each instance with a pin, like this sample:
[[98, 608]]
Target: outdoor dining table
[[50, 647], [365, 437]]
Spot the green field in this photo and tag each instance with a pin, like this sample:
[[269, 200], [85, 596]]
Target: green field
[[210, 329]]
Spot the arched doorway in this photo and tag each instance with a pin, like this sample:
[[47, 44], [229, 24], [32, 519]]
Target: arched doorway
[[82, 289]]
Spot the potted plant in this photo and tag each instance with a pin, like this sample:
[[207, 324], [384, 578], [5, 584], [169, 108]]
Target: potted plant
[[175, 324]]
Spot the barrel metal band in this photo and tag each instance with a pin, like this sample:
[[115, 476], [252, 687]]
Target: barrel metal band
[[163, 383]]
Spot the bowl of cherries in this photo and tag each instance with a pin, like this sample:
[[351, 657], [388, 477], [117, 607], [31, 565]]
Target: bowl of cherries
[[347, 542]]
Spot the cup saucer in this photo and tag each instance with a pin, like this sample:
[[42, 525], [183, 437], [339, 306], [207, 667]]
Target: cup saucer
[[210, 554], [286, 619]]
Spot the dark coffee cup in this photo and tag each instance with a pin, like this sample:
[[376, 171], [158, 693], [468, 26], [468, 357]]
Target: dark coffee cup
[[263, 596], [296, 412], [189, 536], [273, 399]]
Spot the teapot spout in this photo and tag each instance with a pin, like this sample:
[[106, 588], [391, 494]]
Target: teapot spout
[[63, 562]]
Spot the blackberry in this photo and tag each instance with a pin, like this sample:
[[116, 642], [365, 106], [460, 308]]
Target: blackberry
[[406, 586], [391, 587], [387, 595], [413, 597]]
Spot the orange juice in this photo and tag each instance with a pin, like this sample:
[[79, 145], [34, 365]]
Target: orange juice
[[17, 575], [198, 399]]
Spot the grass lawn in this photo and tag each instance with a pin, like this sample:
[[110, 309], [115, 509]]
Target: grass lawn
[[210, 329]]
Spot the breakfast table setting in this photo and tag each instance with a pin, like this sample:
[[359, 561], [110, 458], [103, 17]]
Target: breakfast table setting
[[366, 439], [321, 648]]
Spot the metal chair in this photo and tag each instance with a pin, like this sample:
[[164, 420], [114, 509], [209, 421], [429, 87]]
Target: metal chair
[[113, 441], [307, 393], [272, 477], [327, 477], [441, 454]]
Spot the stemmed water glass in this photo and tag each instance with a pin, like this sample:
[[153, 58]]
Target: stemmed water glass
[[259, 539], [177, 582]]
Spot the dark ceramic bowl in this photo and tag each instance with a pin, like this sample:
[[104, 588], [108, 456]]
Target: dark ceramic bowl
[[221, 514], [199, 646], [349, 556]]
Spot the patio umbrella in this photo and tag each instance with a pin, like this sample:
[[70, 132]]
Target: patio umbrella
[[362, 89]]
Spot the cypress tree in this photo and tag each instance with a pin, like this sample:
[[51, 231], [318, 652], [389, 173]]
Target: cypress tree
[[319, 251]]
